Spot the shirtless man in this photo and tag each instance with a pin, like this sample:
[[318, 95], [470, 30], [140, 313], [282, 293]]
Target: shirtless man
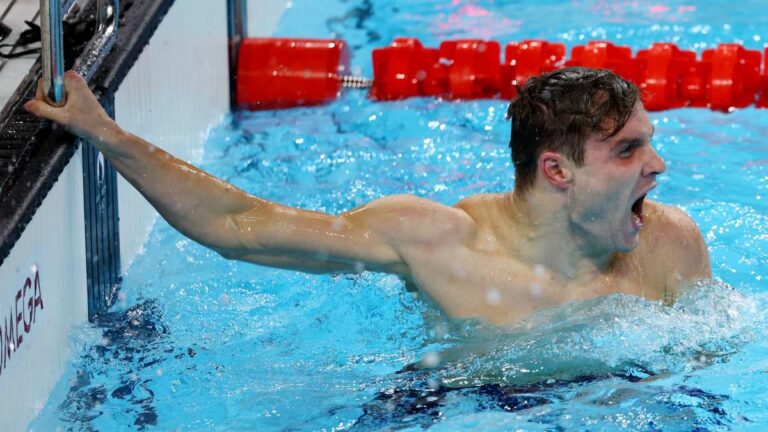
[[576, 226]]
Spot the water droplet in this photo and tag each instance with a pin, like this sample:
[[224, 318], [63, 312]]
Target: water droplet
[[431, 359], [493, 297], [224, 300], [441, 330], [359, 267], [337, 224]]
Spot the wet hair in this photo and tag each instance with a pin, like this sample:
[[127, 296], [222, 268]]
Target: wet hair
[[559, 110]]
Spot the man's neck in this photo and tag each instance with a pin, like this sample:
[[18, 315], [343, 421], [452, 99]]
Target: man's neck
[[543, 236]]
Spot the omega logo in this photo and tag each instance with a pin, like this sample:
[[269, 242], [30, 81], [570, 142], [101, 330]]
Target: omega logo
[[21, 318]]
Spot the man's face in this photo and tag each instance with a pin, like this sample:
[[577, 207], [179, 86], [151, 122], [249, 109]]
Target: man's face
[[606, 198]]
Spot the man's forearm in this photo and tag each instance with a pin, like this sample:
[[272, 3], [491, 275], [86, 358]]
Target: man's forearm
[[191, 200]]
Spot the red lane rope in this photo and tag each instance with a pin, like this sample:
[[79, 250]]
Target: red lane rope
[[275, 73]]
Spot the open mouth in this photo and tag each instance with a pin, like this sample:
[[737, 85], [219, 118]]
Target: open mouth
[[637, 212]]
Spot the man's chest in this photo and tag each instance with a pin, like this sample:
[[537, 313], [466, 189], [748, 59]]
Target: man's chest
[[466, 282]]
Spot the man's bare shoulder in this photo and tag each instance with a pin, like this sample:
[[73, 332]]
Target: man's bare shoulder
[[671, 222], [415, 219], [480, 205], [674, 240]]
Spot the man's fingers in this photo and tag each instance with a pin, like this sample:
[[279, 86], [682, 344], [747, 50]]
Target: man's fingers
[[40, 109], [41, 106]]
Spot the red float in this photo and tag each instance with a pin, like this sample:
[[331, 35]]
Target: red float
[[662, 70], [605, 55], [468, 69], [280, 73], [734, 77], [526, 59], [696, 83], [402, 70]]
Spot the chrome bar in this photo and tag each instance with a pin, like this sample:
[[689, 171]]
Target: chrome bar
[[52, 50], [237, 27], [107, 12]]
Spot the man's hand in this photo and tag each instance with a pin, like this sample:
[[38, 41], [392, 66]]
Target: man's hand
[[82, 114]]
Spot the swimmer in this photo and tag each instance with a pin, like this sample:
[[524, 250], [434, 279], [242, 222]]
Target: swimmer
[[577, 224]]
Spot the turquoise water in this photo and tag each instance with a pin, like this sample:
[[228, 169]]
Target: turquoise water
[[196, 342]]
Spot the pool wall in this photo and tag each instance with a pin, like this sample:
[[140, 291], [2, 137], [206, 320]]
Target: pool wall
[[174, 93]]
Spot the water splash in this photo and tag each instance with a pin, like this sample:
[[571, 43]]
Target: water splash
[[613, 335]]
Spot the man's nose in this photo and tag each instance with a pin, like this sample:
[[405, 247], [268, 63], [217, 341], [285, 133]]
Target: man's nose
[[655, 164]]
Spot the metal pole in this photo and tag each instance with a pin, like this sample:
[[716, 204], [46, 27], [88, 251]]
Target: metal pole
[[237, 25], [53, 56], [107, 13]]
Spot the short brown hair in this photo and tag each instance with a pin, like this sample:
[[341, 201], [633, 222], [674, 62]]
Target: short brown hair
[[559, 110]]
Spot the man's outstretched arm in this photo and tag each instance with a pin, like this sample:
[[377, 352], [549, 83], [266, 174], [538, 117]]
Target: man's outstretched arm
[[242, 226], [191, 200]]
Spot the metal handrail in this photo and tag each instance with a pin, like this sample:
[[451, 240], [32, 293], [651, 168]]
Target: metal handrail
[[52, 50], [237, 28], [99, 46]]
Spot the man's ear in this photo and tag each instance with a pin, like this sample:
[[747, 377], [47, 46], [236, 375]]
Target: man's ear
[[554, 167]]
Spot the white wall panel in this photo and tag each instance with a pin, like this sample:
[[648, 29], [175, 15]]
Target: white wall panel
[[53, 246]]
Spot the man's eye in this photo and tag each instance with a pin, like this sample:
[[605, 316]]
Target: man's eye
[[626, 152]]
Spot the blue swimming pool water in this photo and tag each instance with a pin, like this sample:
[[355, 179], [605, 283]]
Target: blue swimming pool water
[[200, 343]]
